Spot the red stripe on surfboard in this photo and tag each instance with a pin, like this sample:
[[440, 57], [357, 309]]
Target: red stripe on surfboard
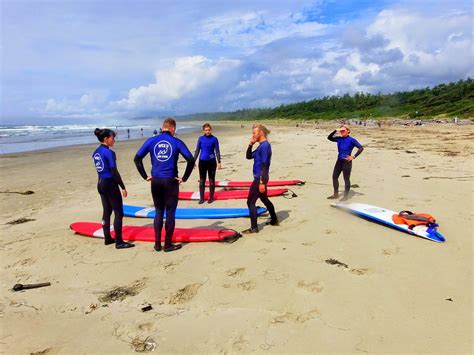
[[147, 234], [248, 183], [228, 195]]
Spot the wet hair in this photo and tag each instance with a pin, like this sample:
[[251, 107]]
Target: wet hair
[[168, 123], [206, 125], [103, 133], [262, 128]]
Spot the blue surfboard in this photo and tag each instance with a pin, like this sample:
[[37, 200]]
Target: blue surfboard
[[192, 213]]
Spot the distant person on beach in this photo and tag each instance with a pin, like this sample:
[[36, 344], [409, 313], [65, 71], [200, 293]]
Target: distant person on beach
[[108, 186], [155, 132], [164, 150], [345, 145], [128, 133], [261, 166], [208, 147], [141, 129]]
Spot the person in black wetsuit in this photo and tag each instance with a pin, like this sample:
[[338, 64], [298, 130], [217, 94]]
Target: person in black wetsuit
[[208, 146], [164, 150], [345, 145], [108, 186], [261, 166]]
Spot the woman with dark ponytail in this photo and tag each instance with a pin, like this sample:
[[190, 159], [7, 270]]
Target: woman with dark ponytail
[[108, 187]]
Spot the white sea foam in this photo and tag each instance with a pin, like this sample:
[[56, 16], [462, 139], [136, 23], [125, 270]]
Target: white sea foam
[[15, 139]]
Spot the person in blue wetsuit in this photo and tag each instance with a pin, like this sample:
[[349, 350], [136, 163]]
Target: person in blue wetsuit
[[345, 145], [164, 150], [208, 146], [261, 166], [108, 186]]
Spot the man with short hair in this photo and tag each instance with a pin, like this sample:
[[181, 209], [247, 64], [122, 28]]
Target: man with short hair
[[164, 150]]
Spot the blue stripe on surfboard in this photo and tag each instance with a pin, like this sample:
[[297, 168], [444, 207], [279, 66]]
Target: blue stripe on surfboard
[[194, 213], [435, 237]]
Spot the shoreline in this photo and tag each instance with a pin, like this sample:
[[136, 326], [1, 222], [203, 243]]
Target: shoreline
[[368, 123]]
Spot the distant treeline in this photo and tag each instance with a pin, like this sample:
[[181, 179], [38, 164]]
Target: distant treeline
[[445, 100]]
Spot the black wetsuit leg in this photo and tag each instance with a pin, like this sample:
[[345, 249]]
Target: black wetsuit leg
[[158, 195], [335, 176], [254, 195], [171, 203], [202, 178], [346, 173], [212, 178], [207, 167], [345, 167], [165, 192], [111, 201]]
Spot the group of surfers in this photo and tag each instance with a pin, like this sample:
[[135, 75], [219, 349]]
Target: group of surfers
[[165, 149]]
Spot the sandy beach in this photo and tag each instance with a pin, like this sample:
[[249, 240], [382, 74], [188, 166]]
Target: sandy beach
[[273, 292]]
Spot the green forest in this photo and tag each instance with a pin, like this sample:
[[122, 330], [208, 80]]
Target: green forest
[[444, 100]]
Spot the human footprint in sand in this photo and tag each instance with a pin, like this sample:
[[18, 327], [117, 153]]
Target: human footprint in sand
[[345, 145], [108, 186], [261, 166]]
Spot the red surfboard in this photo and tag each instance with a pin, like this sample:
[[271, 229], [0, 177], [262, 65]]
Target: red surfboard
[[147, 234], [227, 195], [228, 183]]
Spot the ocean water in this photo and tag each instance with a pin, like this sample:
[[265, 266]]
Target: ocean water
[[17, 139]]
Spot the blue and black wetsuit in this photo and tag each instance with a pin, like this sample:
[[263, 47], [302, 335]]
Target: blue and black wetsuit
[[164, 150], [108, 187], [208, 146], [345, 145], [261, 166]]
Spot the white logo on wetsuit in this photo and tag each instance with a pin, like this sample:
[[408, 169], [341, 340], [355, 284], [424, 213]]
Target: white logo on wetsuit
[[163, 151], [98, 162]]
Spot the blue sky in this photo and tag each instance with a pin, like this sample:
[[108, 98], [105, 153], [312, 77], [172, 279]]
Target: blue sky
[[94, 61]]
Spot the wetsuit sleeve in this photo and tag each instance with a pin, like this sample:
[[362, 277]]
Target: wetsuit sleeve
[[264, 152], [189, 158], [249, 154], [117, 178], [112, 160], [356, 143], [361, 149], [138, 160], [218, 152], [359, 146], [144, 149], [198, 149], [331, 136]]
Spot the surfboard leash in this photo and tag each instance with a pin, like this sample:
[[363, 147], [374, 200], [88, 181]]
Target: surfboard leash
[[288, 196], [230, 238]]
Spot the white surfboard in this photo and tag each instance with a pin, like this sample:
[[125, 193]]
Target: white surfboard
[[384, 216]]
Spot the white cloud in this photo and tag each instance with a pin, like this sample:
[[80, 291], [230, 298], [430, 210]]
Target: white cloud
[[187, 76], [434, 49], [269, 58], [251, 29]]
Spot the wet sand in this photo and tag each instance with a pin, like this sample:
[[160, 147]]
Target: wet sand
[[274, 292]]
